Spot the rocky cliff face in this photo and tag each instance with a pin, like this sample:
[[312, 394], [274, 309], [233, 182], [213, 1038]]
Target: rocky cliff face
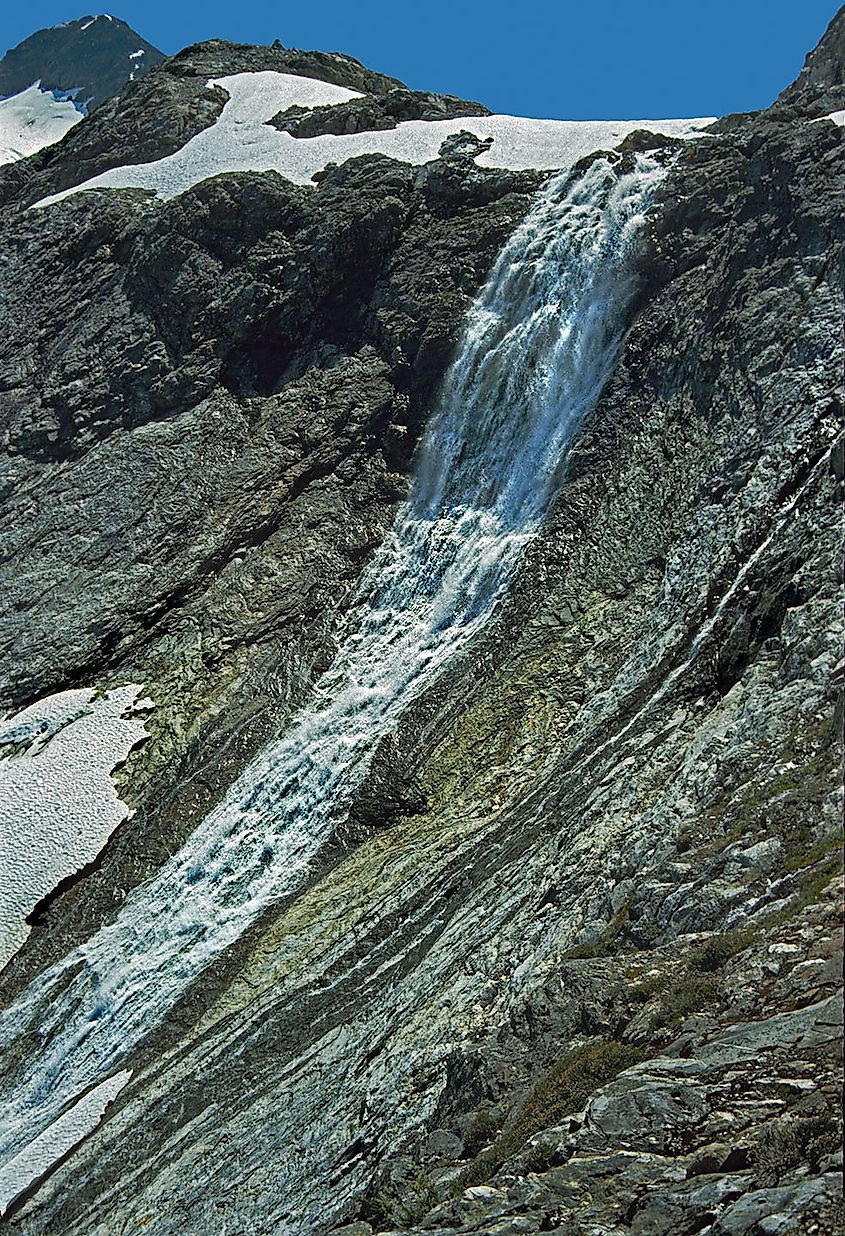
[[572, 964]]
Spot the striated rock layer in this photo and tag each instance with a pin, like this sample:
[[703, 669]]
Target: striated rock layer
[[572, 964]]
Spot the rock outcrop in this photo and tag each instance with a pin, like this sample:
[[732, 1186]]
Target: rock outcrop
[[819, 84], [575, 964], [381, 111]]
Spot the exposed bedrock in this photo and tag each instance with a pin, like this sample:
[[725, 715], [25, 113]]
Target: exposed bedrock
[[384, 111], [573, 964]]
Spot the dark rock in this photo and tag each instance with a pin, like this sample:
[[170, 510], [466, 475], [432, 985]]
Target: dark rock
[[823, 73], [373, 112], [92, 59]]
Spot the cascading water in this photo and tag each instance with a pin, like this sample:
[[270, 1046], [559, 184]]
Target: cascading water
[[538, 346]]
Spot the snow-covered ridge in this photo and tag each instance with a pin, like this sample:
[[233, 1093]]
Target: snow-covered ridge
[[241, 139], [33, 119]]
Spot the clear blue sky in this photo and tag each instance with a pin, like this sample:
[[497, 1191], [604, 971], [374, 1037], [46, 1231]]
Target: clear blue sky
[[560, 58]]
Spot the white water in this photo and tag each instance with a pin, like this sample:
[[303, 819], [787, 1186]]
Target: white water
[[538, 346]]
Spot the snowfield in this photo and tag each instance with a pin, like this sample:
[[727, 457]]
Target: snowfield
[[836, 117], [58, 803], [241, 140], [56, 1140], [31, 120]]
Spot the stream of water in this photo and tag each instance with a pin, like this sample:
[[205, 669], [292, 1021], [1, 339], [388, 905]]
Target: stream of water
[[538, 345]]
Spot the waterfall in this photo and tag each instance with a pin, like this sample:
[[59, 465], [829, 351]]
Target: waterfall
[[539, 344]]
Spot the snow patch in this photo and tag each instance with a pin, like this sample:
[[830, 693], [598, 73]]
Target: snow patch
[[836, 117], [241, 140], [58, 803], [56, 1140], [33, 119], [137, 54]]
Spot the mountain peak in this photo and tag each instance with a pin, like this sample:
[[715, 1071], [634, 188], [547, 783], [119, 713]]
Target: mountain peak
[[88, 59]]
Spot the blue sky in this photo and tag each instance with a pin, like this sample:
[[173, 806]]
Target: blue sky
[[606, 60]]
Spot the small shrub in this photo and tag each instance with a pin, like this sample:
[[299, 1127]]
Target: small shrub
[[607, 944], [649, 987], [778, 1150], [565, 1088], [540, 1157], [685, 836], [823, 1136], [586, 952], [786, 1145], [478, 1171], [481, 1132], [816, 881], [404, 1202], [689, 994], [713, 953]]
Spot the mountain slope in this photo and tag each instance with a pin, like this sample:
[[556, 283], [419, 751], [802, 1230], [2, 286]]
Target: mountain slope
[[89, 60], [55, 77], [818, 85], [569, 961]]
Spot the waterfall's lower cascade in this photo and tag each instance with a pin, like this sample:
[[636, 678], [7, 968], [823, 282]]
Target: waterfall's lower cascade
[[538, 346]]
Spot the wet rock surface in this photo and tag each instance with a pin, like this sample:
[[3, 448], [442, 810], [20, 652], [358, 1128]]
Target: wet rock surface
[[576, 964]]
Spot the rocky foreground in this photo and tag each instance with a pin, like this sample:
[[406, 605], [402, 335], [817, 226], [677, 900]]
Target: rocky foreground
[[574, 963]]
